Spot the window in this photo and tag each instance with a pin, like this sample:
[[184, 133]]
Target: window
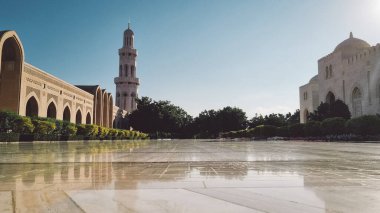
[[357, 102], [132, 71], [305, 96], [330, 71], [126, 70]]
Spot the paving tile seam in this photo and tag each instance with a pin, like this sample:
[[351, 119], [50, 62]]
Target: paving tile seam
[[13, 201], [334, 161], [257, 194], [187, 188], [72, 200], [224, 200]]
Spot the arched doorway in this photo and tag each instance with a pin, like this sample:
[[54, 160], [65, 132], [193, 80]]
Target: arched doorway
[[98, 107], [66, 114], [78, 117], [105, 109], [330, 98], [88, 118], [110, 110], [51, 111], [31, 107], [10, 71], [356, 102]]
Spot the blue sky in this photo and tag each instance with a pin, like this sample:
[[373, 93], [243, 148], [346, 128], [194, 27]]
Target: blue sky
[[199, 54]]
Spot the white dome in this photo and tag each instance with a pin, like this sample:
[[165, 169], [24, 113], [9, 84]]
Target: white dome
[[314, 79], [351, 46]]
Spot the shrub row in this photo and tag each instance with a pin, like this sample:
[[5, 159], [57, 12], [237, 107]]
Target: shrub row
[[35, 128], [367, 125]]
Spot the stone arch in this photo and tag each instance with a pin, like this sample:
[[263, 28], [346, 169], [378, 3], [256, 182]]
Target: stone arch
[[356, 102], [78, 117], [105, 109], [330, 97], [88, 118], [31, 108], [51, 111], [98, 106], [67, 114], [110, 110], [11, 65]]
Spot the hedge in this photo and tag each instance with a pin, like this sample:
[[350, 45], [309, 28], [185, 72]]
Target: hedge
[[264, 131], [312, 129], [364, 125], [42, 127], [367, 125], [14, 127], [296, 130], [333, 126]]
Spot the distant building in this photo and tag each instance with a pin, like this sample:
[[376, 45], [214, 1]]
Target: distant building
[[30, 91], [350, 73], [127, 82]]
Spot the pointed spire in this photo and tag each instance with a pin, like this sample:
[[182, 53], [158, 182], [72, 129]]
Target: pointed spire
[[351, 35]]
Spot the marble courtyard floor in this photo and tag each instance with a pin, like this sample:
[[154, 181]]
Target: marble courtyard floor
[[190, 176]]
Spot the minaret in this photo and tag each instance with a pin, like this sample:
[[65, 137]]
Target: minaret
[[127, 83]]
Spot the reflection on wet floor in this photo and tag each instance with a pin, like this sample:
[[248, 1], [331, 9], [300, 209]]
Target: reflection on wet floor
[[189, 176]]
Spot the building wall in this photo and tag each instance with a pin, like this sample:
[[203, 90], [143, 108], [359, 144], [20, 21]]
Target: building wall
[[356, 71], [309, 99], [28, 90], [49, 89]]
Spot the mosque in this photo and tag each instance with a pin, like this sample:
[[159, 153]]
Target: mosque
[[350, 73], [30, 91]]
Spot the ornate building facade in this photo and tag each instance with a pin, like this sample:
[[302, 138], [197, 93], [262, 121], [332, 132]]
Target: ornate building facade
[[350, 73], [127, 82], [30, 91]]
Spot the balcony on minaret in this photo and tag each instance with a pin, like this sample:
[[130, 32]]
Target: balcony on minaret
[[126, 80], [123, 52]]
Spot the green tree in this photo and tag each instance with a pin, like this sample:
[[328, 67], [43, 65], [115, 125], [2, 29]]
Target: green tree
[[293, 118], [159, 116], [325, 110], [231, 118], [210, 123]]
